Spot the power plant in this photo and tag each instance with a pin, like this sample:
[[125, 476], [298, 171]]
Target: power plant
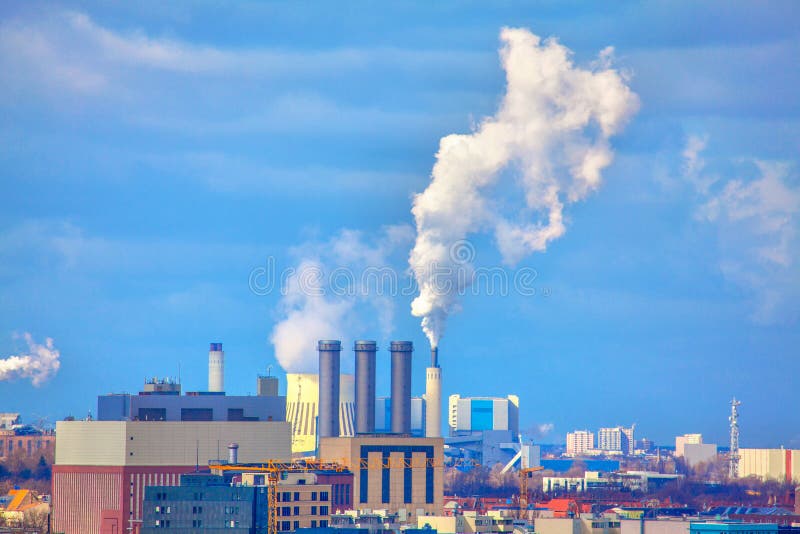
[[401, 352]]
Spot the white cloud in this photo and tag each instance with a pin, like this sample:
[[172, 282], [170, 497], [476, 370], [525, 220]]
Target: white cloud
[[757, 221]]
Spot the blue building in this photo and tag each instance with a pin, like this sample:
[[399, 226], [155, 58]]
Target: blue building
[[205, 503]]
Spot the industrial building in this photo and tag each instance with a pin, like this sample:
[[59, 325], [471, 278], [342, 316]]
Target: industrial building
[[476, 414], [486, 429], [393, 471], [383, 416], [302, 408], [103, 467], [770, 464]]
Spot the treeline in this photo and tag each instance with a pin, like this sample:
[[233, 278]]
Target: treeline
[[33, 472]]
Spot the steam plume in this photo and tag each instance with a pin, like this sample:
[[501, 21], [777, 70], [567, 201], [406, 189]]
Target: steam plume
[[551, 130], [336, 282], [39, 364]]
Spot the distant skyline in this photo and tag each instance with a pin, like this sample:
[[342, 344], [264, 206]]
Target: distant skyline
[[157, 158]]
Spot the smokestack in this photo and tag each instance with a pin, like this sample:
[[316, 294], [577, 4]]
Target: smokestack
[[233, 453], [401, 386], [328, 425], [365, 386], [216, 368], [433, 397]]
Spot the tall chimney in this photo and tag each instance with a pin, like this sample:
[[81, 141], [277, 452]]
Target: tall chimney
[[433, 397], [365, 386], [216, 368], [329, 351], [401, 386]]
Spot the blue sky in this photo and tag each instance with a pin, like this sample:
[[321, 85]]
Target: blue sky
[[155, 154]]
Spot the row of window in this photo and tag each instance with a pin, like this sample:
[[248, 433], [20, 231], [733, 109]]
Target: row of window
[[289, 526], [287, 511], [196, 523], [288, 496]]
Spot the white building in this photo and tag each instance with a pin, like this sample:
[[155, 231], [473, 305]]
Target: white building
[[686, 439], [579, 442], [477, 414], [616, 439]]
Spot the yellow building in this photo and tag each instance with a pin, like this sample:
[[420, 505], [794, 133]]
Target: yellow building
[[586, 524], [468, 523], [302, 407], [402, 475], [774, 464]]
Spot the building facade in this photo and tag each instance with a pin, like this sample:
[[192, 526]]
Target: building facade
[[102, 467], [302, 408], [204, 503], [399, 474], [616, 439], [579, 442], [686, 439], [770, 464], [476, 414], [31, 444]]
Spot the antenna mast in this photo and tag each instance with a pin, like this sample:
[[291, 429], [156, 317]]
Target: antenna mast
[[733, 471]]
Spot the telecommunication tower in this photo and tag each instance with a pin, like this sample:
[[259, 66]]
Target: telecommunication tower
[[733, 471]]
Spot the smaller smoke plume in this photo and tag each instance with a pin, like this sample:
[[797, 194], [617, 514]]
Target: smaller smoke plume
[[335, 283], [39, 364]]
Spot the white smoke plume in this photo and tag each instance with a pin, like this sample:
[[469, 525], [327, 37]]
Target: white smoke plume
[[327, 291], [38, 364], [551, 132]]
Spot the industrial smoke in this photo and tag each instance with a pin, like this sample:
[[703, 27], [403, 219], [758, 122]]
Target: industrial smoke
[[550, 135], [39, 363]]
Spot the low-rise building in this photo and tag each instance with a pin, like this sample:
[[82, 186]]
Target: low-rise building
[[584, 524], [467, 522]]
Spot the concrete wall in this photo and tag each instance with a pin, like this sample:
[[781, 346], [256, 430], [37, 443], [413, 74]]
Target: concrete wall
[[126, 407], [123, 443]]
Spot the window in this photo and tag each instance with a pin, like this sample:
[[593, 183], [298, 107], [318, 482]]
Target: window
[[323, 523], [296, 525], [323, 496], [313, 510], [296, 510], [286, 496], [313, 523], [286, 511], [296, 495], [286, 526], [313, 495], [323, 510], [197, 509], [197, 523]]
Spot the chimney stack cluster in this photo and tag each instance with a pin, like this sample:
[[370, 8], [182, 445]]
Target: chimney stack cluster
[[365, 361]]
